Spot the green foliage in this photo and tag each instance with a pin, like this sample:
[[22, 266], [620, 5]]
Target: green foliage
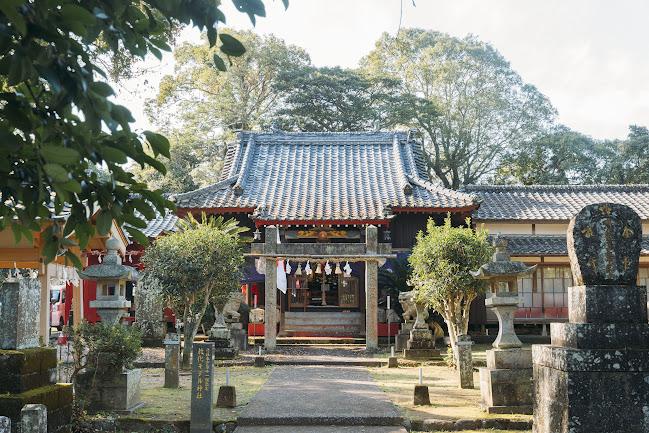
[[199, 264], [57, 118], [100, 346], [563, 156], [200, 106], [334, 99], [469, 103], [441, 262]]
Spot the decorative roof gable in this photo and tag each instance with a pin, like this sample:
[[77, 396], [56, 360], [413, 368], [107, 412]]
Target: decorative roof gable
[[333, 177]]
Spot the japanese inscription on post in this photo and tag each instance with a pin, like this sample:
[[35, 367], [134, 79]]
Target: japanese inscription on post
[[604, 242], [202, 394]]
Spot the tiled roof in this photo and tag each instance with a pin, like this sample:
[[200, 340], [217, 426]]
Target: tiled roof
[[553, 202], [160, 225], [324, 177], [546, 245]]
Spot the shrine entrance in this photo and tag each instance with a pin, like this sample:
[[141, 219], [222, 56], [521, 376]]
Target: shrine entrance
[[322, 297], [322, 292]]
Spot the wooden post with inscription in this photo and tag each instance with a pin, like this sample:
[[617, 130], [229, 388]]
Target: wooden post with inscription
[[202, 388]]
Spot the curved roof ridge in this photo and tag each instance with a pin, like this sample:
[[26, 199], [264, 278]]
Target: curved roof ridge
[[209, 188], [438, 188], [552, 187]]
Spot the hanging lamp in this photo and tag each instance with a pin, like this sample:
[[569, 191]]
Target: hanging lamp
[[338, 271], [318, 269], [299, 269], [307, 268], [327, 268]]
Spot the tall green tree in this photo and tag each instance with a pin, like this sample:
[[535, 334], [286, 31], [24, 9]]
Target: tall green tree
[[200, 106], [627, 160], [473, 106], [58, 120], [441, 261], [334, 99], [561, 156], [193, 267]]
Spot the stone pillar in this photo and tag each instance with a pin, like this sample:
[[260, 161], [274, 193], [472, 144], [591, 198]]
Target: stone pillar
[[371, 290], [505, 307], [270, 290], [19, 313], [172, 361], [465, 361], [594, 376], [33, 419], [201, 412]]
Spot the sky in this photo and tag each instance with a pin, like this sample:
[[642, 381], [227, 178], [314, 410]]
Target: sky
[[589, 57]]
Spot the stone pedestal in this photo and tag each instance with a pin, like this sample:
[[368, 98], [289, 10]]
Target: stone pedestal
[[403, 336], [260, 361], [465, 362], [113, 392], [223, 347], [28, 372], [238, 335], [421, 345], [227, 396], [393, 362], [506, 383], [594, 376], [421, 396], [172, 361], [5, 424], [33, 419]]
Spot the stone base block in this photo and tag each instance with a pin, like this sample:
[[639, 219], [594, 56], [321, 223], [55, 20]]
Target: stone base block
[[239, 338], [260, 361], [607, 304], [506, 388], [57, 398], [401, 340], [420, 354], [509, 359], [119, 393], [225, 353], [22, 370], [600, 336], [420, 396], [590, 391], [393, 362], [227, 396]]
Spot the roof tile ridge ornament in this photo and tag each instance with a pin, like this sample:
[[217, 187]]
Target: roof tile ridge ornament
[[402, 173], [243, 171], [470, 198], [608, 187], [177, 198]]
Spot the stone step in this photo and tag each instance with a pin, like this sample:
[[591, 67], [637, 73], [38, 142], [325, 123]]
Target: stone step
[[321, 429]]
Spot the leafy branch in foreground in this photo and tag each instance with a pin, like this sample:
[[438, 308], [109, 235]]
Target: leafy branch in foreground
[[58, 122]]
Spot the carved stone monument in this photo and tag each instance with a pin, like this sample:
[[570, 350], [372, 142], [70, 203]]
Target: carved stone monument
[[28, 372], [202, 407], [594, 376], [505, 384], [409, 313], [421, 344]]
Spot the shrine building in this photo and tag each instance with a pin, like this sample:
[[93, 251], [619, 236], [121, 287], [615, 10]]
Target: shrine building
[[333, 208]]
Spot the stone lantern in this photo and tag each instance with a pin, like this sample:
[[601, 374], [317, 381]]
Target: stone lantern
[[505, 384], [111, 276]]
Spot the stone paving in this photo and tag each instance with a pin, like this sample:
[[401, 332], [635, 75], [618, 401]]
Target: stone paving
[[320, 399]]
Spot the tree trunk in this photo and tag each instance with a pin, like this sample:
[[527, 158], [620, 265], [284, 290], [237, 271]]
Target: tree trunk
[[189, 332]]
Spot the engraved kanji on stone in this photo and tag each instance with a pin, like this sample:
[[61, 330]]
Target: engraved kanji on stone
[[604, 242]]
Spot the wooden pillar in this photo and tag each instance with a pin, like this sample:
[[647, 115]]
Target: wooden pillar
[[270, 290], [371, 290]]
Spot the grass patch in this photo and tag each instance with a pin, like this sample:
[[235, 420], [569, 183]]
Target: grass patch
[[449, 402], [173, 404], [487, 431]]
